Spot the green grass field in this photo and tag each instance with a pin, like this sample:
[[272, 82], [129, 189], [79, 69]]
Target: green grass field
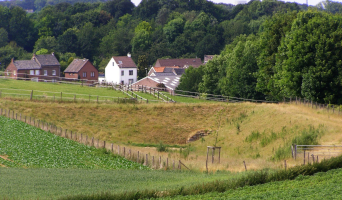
[[22, 145], [49, 90], [323, 185]]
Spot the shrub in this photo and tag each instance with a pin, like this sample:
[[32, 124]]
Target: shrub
[[161, 147]]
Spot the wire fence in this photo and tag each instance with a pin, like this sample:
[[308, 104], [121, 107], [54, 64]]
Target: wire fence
[[213, 97], [315, 153], [154, 162], [61, 96]]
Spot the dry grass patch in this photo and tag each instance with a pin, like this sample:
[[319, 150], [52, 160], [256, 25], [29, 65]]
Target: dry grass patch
[[174, 123]]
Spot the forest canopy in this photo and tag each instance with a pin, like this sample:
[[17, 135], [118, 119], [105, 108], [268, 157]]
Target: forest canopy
[[266, 49]]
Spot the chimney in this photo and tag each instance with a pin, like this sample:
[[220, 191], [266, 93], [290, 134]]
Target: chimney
[[53, 53], [12, 60], [129, 55]]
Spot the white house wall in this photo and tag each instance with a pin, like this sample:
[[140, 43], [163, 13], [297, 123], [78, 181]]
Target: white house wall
[[113, 73]]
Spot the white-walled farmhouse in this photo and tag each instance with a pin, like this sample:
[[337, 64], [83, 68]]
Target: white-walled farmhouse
[[121, 70]]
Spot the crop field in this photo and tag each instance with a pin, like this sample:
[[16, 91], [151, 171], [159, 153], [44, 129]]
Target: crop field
[[323, 185], [25, 146]]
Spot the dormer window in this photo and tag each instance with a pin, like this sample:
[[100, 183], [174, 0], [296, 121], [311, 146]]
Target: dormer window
[[120, 62]]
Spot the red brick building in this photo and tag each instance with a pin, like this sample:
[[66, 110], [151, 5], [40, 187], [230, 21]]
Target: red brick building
[[81, 69], [40, 67]]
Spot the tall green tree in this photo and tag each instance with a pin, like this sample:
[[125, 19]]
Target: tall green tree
[[309, 62]]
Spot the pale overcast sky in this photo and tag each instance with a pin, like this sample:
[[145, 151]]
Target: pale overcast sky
[[311, 2]]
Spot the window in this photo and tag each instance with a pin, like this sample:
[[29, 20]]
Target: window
[[70, 74], [31, 72], [37, 72], [92, 74], [84, 74], [122, 73], [130, 72], [53, 72], [113, 63], [14, 72], [45, 72], [130, 81], [122, 82]]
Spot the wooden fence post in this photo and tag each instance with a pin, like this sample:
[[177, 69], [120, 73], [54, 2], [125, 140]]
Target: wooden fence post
[[244, 163], [167, 163], [104, 144], [31, 95], [285, 164], [118, 149], [92, 141], [138, 157], [295, 151], [304, 157], [152, 161], [174, 165], [61, 96], [111, 147], [124, 152], [160, 163]]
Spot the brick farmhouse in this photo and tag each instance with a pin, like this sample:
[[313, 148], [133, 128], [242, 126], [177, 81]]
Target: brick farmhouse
[[81, 69], [40, 67]]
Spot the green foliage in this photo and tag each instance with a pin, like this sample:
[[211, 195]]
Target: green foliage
[[255, 135], [3, 37], [191, 79], [161, 147], [307, 137], [45, 150]]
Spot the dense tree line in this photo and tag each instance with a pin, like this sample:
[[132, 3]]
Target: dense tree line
[[293, 54], [155, 29], [259, 56]]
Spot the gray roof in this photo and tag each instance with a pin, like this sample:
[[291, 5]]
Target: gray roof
[[170, 82], [76, 65], [179, 71], [168, 70], [46, 60], [26, 64], [162, 74], [184, 62]]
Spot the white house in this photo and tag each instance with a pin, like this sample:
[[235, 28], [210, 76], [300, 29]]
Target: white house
[[121, 70]]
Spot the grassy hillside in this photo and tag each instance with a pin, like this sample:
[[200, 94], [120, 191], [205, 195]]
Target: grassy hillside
[[255, 133], [22, 145]]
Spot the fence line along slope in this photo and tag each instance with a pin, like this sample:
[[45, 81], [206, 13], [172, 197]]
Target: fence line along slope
[[25, 146], [259, 134]]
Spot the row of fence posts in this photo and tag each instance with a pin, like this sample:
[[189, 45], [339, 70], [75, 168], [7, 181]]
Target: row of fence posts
[[294, 155], [139, 157], [60, 97], [315, 105]]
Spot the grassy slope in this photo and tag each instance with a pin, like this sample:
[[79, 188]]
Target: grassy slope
[[173, 123], [22, 145], [320, 186]]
